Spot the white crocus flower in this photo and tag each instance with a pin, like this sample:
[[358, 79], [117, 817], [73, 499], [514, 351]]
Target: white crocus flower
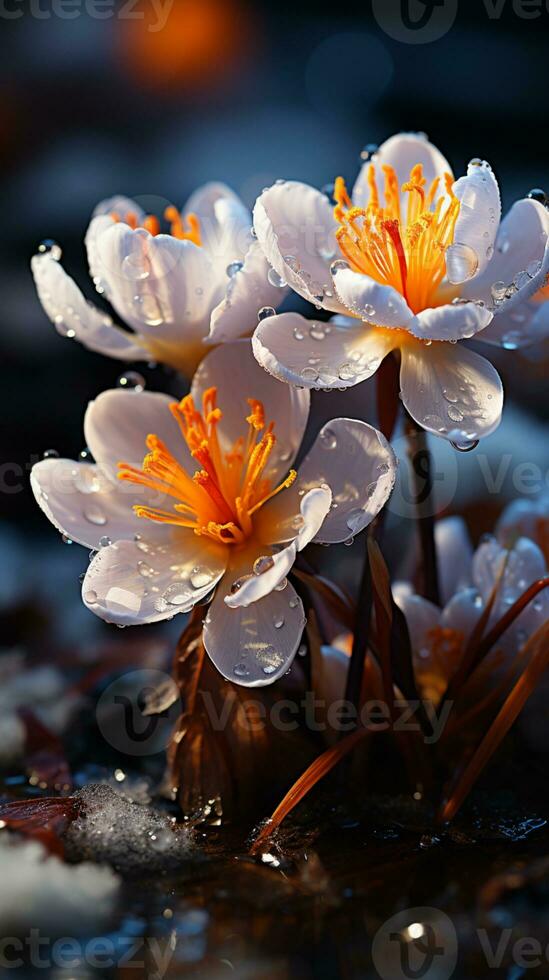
[[505, 565], [172, 290], [214, 502], [412, 261]]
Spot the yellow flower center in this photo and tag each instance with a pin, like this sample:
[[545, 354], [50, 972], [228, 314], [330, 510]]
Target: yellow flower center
[[219, 501], [406, 251], [186, 229]]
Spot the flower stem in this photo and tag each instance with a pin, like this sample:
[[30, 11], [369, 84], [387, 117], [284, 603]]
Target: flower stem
[[421, 462], [361, 631]]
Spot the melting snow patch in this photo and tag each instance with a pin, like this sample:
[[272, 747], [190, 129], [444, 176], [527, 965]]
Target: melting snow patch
[[129, 835], [39, 891]]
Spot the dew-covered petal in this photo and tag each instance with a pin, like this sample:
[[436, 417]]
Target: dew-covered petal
[[86, 506], [338, 354], [255, 585], [234, 371], [453, 321], [451, 391], [402, 152], [356, 462], [514, 571], [256, 644], [521, 259], [477, 223], [454, 554], [521, 326], [253, 287], [130, 586], [371, 301], [296, 229], [118, 422], [73, 316], [162, 286]]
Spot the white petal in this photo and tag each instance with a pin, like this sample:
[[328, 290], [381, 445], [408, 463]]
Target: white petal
[[234, 371], [337, 354], [85, 505], [462, 613], [296, 229], [421, 616], [129, 586], [454, 553], [453, 321], [254, 646], [356, 462], [451, 391], [225, 223], [523, 565], [524, 518], [402, 152], [369, 300], [118, 422], [120, 205], [289, 516], [248, 291], [253, 587], [73, 316], [521, 326], [521, 258], [477, 223], [161, 286]]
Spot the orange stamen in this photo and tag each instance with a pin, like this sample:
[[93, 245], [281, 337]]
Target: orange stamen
[[405, 253], [220, 499]]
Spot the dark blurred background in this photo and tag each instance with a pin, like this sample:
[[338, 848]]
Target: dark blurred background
[[234, 90]]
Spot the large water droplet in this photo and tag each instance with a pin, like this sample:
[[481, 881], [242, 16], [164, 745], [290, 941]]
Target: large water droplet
[[263, 564], [461, 262], [233, 268], [275, 279], [200, 577], [95, 515]]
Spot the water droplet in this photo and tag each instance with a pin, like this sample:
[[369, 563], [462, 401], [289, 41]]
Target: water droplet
[[132, 380], [95, 515], [269, 669], [461, 262], [145, 570], [263, 564], [240, 670], [309, 374], [233, 268], [294, 602], [498, 290], [90, 597], [281, 585], [51, 248], [533, 268], [298, 334], [455, 414], [278, 622], [105, 541], [50, 454], [176, 594], [317, 331], [339, 266], [136, 267], [328, 439], [200, 577], [538, 194], [275, 279], [265, 311], [160, 604], [65, 539]]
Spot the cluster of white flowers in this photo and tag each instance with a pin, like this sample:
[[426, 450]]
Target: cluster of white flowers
[[189, 497]]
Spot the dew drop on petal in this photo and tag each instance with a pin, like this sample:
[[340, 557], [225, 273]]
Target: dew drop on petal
[[200, 577], [461, 262], [233, 268], [95, 515], [265, 312], [275, 279], [328, 439], [263, 564], [51, 248], [278, 622], [240, 670]]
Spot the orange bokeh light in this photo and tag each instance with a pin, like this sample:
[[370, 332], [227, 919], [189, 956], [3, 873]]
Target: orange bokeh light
[[200, 43]]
